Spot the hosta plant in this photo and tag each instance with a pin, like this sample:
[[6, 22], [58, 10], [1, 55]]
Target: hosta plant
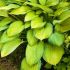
[[46, 24]]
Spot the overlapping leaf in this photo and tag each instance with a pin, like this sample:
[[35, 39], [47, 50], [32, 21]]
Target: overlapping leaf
[[10, 46], [10, 6], [37, 22], [30, 15], [34, 53], [15, 28], [42, 2], [5, 38], [30, 38], [25, 66], [44, 32], [63, 26], [56, 39], [27, 24], [55, 53], [52, 2], [20, 10], [5, 21]]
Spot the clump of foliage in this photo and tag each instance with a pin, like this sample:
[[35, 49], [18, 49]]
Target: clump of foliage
[[45, 25]]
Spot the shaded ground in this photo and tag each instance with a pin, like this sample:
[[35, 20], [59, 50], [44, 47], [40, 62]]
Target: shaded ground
[[13, 61], [6, 64]]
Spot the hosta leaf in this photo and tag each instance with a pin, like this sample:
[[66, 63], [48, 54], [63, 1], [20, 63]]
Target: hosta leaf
[[56, 22], [52, 2], [20, 0], [3, 27], [60, 11], [5, 38], [42, 2], [65, 15], [56, 39], [30, 15], [53, 54], [5, 21], [38, 12], [30, 38], [27, 24], [1, 46], [25, 66], [15, 28], [10, 46], [63, 4], [44, 8], [37, 22], [20, 10], [4, 13], [32, 4], [33, 1], [63, 26], [44, 32], [10, 6], [11, 2], [2, 3], [34, 53]]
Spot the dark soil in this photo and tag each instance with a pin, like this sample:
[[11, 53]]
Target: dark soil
[[13, 61], [6, 64]]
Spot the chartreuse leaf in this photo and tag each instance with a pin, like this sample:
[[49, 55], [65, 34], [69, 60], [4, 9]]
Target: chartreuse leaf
[[42, 2], [20, 0], [4, 13], [1, 46], [5, 38], [2, 3], [52, 2], [21, 10], [56, 22], [30, 38], [65, 15], [37, 22], [56, 39], [25, 66], [60, 11], [10, 6], [10, 46], [27, 24], [33, 1], [30, 15], [3, 27], [44, 8], [53, 54], [5, 21], [63, 26], [15, 28], [38, 12], [44, 32], [34, 53], [63, 4]]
